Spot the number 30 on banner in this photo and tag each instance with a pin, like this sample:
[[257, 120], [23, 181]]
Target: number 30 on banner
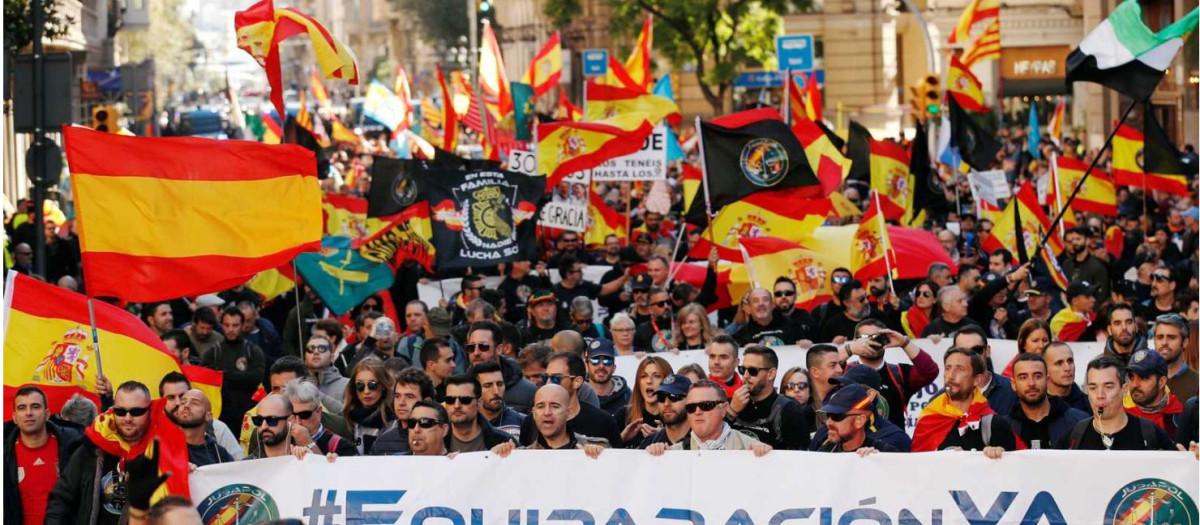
[[524, 162]]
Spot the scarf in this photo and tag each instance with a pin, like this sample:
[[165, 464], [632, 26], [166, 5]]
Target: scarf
[[1157, 414], [370, 417], [941, 416], [172, 445], [729, 388], [914, 321], [714, 444]]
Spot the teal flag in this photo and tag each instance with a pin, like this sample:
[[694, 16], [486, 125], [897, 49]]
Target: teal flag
[[663, 89], [342, 277], [1035, 134], [523, 110]]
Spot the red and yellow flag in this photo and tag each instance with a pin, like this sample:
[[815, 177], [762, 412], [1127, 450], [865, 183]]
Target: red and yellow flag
[[639, 62], [604, 221], [768, 258], [260, 28], [172, 446], [1034, 224], [985, 47], [1098, 194], [272, 131], [1069, 325], [797, 109], [783, 214], [318, 89], [940, 417], [977, 11], [567, 110], [273, 283], [546, 68], [343, 135], [569, 147], [617, 76], [871, 254], [826, 159], [691, 178], [812, 98], [890, 177], [965, 87], [347, 217], [449, 119], [1055, 127], [471, 118], [1127, 158], [609, 101], [178, 217], [493, 81]]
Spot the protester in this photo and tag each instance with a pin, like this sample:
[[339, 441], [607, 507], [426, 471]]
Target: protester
[[543, 320], [411, 386], [1039, 420], [551, 414], [671, 399], [491, 400], [794, 384], [995, 387], [643, 415], [693, 330], [272, 421], [1112, 428], [759, 410], [1060, 376], [949, 313], [308, 430], [622, 329], [848, 415], [1148, 396], [824, 363], [898, 382], [657, 334], [1171, 335], [368, 409], [318, 360], [482, 346], [960, 418], [203, 331], [613, 393], [1124, 335], [706, 405], [569, 371], [36, 447], [192, 414], [437, 361], [243, 365], [427, 427]]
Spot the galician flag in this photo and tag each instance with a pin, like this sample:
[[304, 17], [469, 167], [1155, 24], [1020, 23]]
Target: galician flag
[[1125, 55]]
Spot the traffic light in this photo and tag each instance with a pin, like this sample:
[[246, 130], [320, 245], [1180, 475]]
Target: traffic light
[[104, 118], [484, 6], [926, 97]]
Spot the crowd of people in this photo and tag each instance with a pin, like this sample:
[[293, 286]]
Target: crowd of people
[[530, 363]]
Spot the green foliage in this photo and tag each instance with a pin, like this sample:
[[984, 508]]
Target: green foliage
[[719, 38], [18, 23], [171, 42], [441, 22]]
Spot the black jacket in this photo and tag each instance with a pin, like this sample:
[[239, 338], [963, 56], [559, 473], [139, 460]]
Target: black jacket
[[73, 499], [1059, 422], [492, 436], [518, 392], [68, 435]]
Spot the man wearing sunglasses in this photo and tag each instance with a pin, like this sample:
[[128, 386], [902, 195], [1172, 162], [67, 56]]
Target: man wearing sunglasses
[[318, 359], [568, 370], [757, 409], [766, 325], [307, 430], [469, 430], [272, 422], [483, 343], [1162, 295], [412, 386], [705, 407], [833, 307], [427, 428], [785, 303], [672, 401], [656, 335], [848, 414], [602, 367]]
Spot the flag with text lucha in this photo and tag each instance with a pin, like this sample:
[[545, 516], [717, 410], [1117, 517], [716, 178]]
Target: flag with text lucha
[[604, 221], [785, 214], [768, 258], [161, 218], [977, 11], [869, 255], [890, 178], [748, 152], [609, 101], [481, 217], [261, 27], [545, 70], [1098, 194], [639, 63], [569, 147], [965, 87], [50, 345]]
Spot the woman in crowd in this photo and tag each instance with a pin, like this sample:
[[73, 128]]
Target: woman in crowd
[[643, 416], [916, 318], [795, 384], [368, 407], [1032, 338], [693, 330], [622, 329], [693, 372]]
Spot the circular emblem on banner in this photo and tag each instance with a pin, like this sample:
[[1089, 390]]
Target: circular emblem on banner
[[1151, 500], [764, 162], [238, 503], [404, 191]]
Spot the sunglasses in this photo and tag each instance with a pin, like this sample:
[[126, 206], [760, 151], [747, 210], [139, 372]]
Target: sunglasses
[[785, 293], [1160, 277], [662, 304], [556, 379], [478, 347], [453, 400], [316, 349], [926, 294], [582, 322], [838, 418], [135, 412], [641, 290], [841, 279], [754, 371], [269, 420], [705, 406], [423, 422], [663, 397], [304, 414], [795, 386], [601, 360], [369, 385]]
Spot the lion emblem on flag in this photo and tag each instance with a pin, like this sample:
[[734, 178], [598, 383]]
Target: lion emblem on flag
[[809, 276], [66, 361], [571, 145]]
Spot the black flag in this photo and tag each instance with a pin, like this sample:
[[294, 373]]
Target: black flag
[[976, 145], [858, 150], [481, 217], [927, 187], [392, 189]]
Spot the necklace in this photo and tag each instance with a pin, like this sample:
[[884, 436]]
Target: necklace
[[1105, 439]]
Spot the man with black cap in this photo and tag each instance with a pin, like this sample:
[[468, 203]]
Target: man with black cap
[[519, 284], [1079, 264], [1040, 421], [543, 321], [1074, 322], [757, 409], [640, 310], [1148, 396], [848, 414], [1038, 302], [672, 401], [879, 428], [602, 367]]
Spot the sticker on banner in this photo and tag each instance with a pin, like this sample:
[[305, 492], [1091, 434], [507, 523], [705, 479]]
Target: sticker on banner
[[648, 163], [524, 162], [568, 206]]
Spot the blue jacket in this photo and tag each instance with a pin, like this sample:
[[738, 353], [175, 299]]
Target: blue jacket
[[885, 431], [1000, 394]]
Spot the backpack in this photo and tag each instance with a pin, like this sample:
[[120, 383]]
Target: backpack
[[1149, 439]]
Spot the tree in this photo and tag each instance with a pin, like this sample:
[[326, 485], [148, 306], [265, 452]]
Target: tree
[[718, 37], [171, 42], [442, 23], [18, 23]]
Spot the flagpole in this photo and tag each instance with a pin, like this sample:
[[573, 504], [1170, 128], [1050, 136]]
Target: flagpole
[[704, 179], [299, 318], [95, 338], [1086, 174], [749, 267], [883, 233], [675, 252], [1057, 189], [787, 97]]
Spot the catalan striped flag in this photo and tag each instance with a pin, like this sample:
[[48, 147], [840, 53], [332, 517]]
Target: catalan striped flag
[[974, 13], [161, 218], [796, 108], [985, 47]]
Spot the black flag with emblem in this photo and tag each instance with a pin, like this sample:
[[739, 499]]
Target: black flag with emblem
[[748, 152], [481, 217], [977, 146]]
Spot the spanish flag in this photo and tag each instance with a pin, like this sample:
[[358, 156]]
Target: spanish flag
[[403, 93], [842, 207], [260, 28], [985, 47], [546, 68], [343, 135], [318, 89], [785, 214], [177, 217], [871, 254], [1033, 223], [1098, 194], [691, 179], [639, 62], [493, 81], [609, 101], [273, 283], [171, 448], [940, 417], [50, 345], [617, 76], [977, 11], [890, 178], [812, 98], [347, 217], [1069, 325], [1151, 164], [566, 110], [272, 130], [449, 119], [604, 221], [568, 147], [965, 87], [1055, 128], [768, 258], [827, 159]]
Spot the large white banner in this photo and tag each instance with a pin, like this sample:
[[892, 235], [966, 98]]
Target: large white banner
[[625, 487], [648, 163]]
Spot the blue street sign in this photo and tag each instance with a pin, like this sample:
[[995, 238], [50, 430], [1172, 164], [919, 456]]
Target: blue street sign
[[595, 62], [795, 52], [771, 79]]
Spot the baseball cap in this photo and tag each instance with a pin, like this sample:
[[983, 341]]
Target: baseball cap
[[991, 276], [1124, 289], [601, 347], [859, 375], [675, 384], [541, 296], [642, 281], [209, 299], [1077, 288], [384, 327], [1192, 212], [849, 397], [643, 237], [1042, 285], [439, 321], [1147, 362]]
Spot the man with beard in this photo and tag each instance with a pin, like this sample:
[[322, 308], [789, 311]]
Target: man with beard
[[855, 308], [1040, 421], [272, 419], [491, 400], [639, 289], [469, 430], [426, 426], [759, 410], [766, 326], [849, 412], [568, 371], [672, 399], [995, 387], [959, 418], [192, 414], [656, 335], [543, 321], [706, 406], [830, 309], [243, 365], [1060, 376], [1123, 334], [1149, 397], [1162, 295], [203, 331], [785, 304], [1079, 264], [550, 416], [483, 343], [1171, 335], [614, 394]]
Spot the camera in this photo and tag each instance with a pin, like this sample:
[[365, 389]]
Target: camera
[[880, 339]]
